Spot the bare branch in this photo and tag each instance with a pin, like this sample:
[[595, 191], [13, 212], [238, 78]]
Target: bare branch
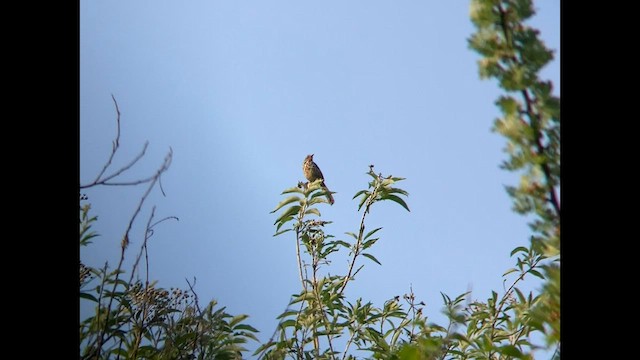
[[163, 219], [116, 142], [101, 179], [143, 249]]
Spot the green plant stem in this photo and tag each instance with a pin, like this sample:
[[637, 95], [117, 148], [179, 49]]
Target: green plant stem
[[353, 335], [316, 291], [356, 250], [506, 296], [446, 339], [97, 319], [299, 225]]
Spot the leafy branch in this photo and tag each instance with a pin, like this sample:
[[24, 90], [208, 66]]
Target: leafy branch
[[323, 311], [379, 189]]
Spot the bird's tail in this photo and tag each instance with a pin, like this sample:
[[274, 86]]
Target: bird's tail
[[329, 196]]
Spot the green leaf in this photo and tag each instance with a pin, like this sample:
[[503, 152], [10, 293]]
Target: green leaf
[[459, 337], [392, 190], [287, 313], [306, 296], [290, 211], [445, 298], [263, 347], [362, 201], [250, 336], [292, 190], [245, 327], [437, 327], [288, 323], [536, 273], [360, 193], [286, 201], [88, 297], [398, 200], [282, 222], [371, 233], [461, 297], [371, 257], [521, 297], [312, 211], [519, 249], [509, 271], [352, 234], [508, 104], [482, 14], [367, 244], [318, 197], [510, 350], [281, 232], [340, 242], [237, 320], [316, 184]]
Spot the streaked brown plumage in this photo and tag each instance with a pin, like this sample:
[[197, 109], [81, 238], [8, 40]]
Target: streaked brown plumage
[[312, 173]]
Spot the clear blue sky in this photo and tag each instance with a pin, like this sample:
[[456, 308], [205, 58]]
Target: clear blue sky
[[242, 91]]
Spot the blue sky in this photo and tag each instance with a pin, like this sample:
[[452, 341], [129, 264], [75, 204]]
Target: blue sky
[[242, 91]]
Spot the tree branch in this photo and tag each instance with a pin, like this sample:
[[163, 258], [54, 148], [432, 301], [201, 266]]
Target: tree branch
[[356, 250], [116, 142], [534, 118], [104, 181]]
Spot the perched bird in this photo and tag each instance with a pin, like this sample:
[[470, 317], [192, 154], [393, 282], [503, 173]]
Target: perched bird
[[312, 173]]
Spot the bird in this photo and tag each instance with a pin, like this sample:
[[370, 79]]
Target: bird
[[312, 173]]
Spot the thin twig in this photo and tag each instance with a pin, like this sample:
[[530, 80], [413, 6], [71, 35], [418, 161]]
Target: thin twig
[[506, 296], [353, 335], [302, 277], [104, 181], [143, 249], [413, 310], [96, 350], [356, 250], [196, 341], [447, 339], [316, 291], [145, 307], [304, 287], [116, 142], [162, 220]]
